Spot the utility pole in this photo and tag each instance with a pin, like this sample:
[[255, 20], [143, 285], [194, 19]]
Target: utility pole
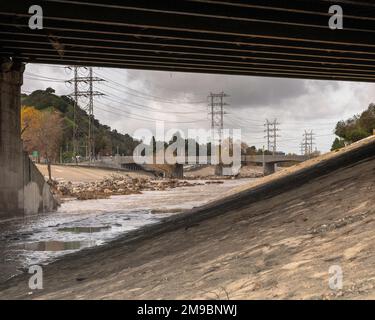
[[91, 116], [75, 97], [89, 93], [75, 112], [271, 135], [217, 112]]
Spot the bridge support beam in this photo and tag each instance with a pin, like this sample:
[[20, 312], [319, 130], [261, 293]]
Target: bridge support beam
[[11, 156], [269, 168]]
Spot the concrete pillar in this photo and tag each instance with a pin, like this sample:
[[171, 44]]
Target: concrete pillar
[[219, 170], [269, 168], [177, 171], [11, 156]]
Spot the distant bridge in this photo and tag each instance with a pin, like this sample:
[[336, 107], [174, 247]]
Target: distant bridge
[[269, 162]]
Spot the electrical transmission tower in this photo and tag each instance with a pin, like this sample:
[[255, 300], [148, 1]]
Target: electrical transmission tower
[[216, 105], [217, 112], [307, 143], [88, 93], [271, 135]]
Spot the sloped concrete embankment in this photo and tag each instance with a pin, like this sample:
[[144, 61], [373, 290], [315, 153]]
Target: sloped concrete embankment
[[276, 184]]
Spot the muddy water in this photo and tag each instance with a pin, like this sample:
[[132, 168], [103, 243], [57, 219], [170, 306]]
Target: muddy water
[[83, 224]]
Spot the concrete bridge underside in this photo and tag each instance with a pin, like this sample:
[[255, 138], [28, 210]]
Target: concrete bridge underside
[[275, 38]]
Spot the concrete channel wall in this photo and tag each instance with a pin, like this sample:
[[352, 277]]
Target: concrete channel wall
[[37, 195]]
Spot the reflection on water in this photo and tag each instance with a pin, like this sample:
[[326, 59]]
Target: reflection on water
[[58, 245], [83, 229], [83, 224]]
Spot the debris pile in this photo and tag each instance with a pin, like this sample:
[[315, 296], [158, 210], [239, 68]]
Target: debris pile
[[115, 185]]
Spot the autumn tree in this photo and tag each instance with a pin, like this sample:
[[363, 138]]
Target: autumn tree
[[42, 131], [30, 119]]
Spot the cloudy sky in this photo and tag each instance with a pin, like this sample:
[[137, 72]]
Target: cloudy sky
[[136, 99]]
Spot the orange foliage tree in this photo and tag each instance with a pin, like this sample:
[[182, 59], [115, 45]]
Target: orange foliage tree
[[42, 131]]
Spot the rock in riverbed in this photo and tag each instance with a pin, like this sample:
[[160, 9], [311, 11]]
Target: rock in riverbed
[[116, 185]]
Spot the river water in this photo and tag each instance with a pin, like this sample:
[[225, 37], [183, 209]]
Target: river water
[[82, 224]]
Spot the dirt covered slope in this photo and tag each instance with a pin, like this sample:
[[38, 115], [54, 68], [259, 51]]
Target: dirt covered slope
[[276, 239]]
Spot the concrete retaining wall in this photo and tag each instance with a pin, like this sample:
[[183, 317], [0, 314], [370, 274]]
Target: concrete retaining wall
[[37, 196]]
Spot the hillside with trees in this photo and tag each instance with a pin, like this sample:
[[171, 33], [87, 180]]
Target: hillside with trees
[[355, 128], [107, 141]]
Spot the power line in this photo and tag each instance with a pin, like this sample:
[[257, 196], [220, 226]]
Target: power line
[[141, 118], [118, 101], [141, 106], [38, 79], [143, 95], [28, 73]]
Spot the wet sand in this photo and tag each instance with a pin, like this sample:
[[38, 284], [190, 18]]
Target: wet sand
[[85, 174], [276, 239]]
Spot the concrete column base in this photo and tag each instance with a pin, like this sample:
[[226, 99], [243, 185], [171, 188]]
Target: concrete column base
[[177, 171], [218, 170], [269, 168]]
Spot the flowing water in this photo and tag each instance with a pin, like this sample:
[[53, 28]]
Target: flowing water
[[82, 224]]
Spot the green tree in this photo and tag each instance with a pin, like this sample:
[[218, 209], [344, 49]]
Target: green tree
[[355, 128], [338, 144]]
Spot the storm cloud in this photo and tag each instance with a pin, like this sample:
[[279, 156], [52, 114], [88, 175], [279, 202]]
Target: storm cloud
[[132, 95]]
